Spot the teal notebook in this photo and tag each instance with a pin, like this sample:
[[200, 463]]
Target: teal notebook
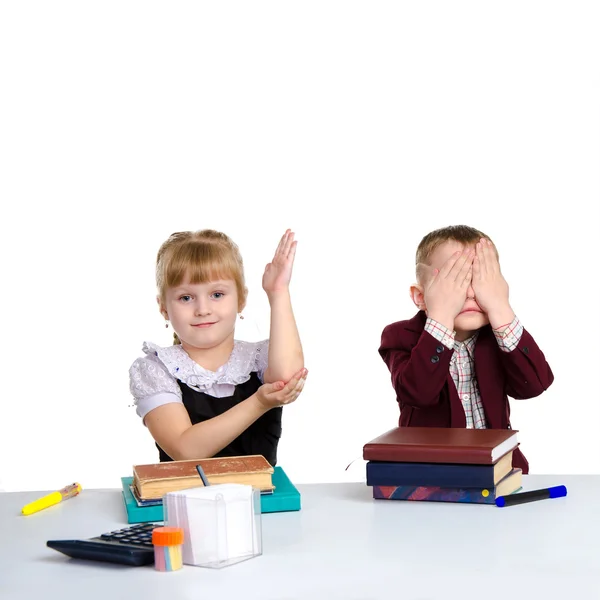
[[285, 498]]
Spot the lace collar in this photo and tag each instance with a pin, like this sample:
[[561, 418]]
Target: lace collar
[[243, 360]]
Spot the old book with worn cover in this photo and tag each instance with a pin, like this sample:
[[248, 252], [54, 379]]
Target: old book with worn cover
[[285, 497], [441, 445], [155, 480], [436, 474], [510, 484]]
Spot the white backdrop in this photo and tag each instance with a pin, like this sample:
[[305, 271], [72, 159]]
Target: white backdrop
[[360, 125]]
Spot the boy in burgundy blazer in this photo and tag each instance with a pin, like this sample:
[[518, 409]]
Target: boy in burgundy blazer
[[455, 363]]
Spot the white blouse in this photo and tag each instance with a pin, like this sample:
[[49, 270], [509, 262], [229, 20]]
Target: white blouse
[[153, 378]]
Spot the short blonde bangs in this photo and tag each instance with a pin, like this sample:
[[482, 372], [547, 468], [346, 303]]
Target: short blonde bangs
[[199, 257]]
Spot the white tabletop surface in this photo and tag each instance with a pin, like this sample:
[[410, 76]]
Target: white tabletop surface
[[342, 544]]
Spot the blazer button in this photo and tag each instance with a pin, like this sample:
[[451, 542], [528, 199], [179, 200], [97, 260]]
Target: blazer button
[[526, 350], [439, 349], [435, 359], [508, 426]]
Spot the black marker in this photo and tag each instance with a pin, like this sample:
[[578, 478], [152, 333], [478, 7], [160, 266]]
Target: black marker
[[554, 492], [202, 475]]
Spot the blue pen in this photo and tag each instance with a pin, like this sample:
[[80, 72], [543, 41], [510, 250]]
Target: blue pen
[[202, 475], [553, 492]]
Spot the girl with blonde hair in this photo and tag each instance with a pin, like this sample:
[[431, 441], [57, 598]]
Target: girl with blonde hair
[[210, 394]]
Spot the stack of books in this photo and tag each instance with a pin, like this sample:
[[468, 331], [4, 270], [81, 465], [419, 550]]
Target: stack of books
[[442, 465], [144, 492]]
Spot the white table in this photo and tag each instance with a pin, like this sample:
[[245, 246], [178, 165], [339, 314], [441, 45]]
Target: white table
[[342, 544]]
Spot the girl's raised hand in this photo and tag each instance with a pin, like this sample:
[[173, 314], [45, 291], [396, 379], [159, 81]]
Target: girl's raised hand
[[278, 272], [272, 395]]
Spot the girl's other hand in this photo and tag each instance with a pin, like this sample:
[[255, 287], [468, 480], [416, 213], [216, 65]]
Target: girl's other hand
[[272, 395]]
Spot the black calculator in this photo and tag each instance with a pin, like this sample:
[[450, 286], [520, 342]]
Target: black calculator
[[128, 546]]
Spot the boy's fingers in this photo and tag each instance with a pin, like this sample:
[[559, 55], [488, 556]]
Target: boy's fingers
[[467, 278], [476, 267], [462, 260], [449, 264], [482, 254], [465, 266], [492, 258]]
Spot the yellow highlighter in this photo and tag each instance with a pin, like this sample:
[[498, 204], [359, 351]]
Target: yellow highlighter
[[51, 499]]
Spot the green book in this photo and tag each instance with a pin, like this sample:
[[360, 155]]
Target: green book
[[284, 498]]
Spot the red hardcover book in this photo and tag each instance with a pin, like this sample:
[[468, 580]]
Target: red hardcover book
[[441, 445]]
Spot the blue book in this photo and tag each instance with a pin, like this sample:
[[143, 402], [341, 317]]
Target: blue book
[[510, 484], [438, 474], [284, 498]]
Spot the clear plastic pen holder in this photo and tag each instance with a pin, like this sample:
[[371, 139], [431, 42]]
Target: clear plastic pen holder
[[218, 532]]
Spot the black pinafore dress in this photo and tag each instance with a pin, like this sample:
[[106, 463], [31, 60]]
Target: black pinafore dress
[[262, 437]]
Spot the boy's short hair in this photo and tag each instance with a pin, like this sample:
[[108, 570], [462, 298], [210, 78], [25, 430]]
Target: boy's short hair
[[463, 234]]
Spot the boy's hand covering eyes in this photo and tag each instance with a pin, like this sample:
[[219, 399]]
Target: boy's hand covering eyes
[[489, 285], [446, 289]]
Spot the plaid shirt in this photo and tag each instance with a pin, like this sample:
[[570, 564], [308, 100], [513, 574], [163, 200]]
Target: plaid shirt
[[462, 364]]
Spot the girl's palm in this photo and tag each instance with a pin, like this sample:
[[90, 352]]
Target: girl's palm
[[278, 272]]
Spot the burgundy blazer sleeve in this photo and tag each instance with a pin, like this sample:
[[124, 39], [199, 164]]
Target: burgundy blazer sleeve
[[418, 363], [527, 372]]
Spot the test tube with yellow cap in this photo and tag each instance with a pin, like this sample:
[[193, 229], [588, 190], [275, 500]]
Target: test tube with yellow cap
[[168, 543]]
